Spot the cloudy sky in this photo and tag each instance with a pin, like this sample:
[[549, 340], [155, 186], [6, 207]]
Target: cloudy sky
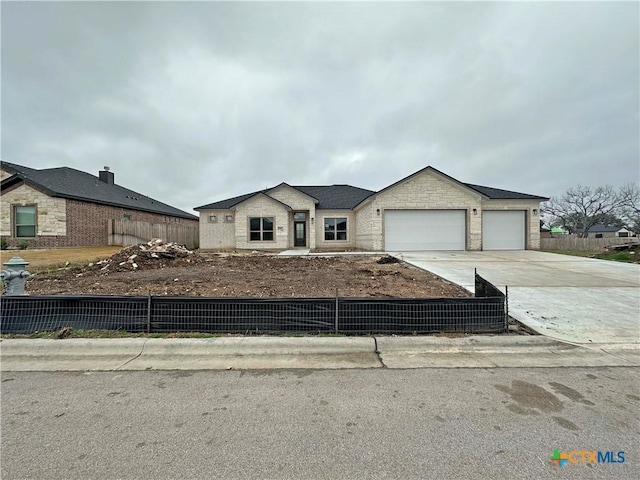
[[190, 103]]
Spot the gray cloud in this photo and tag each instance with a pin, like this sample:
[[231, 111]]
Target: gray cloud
[[194, 102]]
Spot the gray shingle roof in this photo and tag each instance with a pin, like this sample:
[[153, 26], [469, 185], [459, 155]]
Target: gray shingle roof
[[601, 228], [336, 196], [229, 202], [70, 183], [329, 197], [348, 197], [498, 194]]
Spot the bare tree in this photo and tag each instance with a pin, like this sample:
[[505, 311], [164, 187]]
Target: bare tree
[[630, 206], [581, 207]]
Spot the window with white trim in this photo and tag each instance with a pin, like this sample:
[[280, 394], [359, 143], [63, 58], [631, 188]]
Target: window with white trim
[[261, 229], [213, 218], [335, 229]]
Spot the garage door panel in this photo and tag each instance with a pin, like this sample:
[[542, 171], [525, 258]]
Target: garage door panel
[[503, 230], [407, 230]]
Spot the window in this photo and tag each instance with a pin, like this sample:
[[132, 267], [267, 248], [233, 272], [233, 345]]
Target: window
[[335, 228], [299, 216], [261, 229], [25, 221], [623, 234], [598, 235], [228, 218], [126, 217], [213, 219]]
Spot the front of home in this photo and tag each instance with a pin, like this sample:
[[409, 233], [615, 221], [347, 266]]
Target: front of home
[[427, 210]]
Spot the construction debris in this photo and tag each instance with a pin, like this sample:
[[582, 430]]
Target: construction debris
[[150, 255]]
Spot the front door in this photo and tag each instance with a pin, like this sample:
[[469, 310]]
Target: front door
[[299, 234]]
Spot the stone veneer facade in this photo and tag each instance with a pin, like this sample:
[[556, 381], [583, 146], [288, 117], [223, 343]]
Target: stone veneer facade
[[365, 224]]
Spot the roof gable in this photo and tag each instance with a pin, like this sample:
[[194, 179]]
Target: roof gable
[[263, 194], [285, 185], [437, 173]]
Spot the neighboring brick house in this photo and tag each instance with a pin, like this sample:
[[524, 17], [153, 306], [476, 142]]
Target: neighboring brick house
[[428, 210], [64, 207]]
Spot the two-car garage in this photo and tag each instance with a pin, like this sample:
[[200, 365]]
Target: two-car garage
[[410, 230]]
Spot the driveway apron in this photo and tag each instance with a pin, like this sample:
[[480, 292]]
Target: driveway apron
[[569, 298]]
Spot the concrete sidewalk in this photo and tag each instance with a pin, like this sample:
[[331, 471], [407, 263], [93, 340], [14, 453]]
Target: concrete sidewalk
[[306, 352]]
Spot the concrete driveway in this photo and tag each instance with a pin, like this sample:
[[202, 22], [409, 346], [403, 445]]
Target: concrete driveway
[[574, 299]]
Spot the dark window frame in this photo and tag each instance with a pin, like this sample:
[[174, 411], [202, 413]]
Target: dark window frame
[[262, 233], [331, 231]]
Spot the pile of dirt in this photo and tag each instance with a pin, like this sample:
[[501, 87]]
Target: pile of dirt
[[151, 255]]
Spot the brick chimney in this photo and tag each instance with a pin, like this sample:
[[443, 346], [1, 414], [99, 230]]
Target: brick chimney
[[106, 176]]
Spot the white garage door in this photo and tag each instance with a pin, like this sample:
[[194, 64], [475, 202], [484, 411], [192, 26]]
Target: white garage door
[[503, 230], [406, 230]]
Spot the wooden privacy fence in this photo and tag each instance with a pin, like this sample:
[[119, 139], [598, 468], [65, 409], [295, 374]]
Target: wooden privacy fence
[[570, 242], [126, 233]]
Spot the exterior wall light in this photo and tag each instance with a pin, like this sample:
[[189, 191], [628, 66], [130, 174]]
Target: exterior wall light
[[475, 211], [378, 211], [535, 211]]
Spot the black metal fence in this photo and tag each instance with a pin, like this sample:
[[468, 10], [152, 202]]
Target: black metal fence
[[484, 313]]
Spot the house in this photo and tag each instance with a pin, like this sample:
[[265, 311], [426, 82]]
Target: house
[[64, 207], [427, 210], [600, 230]]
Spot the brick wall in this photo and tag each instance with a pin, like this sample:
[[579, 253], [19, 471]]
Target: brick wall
[[69, 223]]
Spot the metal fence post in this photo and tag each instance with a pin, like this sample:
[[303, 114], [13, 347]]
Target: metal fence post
[[149, 312], [506, 308], [336, 326]]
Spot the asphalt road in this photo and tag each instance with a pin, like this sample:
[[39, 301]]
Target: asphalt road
[[334, 424]]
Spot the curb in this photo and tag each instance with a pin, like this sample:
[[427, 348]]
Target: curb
[[225, 353]]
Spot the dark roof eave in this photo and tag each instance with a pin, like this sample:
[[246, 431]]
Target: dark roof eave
[[185, 215], [18, 177]]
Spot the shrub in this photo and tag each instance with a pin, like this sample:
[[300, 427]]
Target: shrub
[[4, 244], [23, 245]]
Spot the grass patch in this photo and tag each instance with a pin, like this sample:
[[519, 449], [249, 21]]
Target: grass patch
[[55, 258], [625, 257]]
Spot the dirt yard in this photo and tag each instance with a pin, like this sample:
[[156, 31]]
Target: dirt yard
[[131, 272]]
